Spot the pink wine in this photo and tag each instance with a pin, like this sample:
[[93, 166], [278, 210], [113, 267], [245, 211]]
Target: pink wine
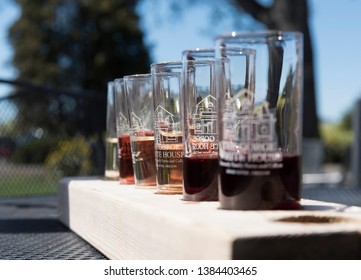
[[277, 188], [126, 173], [200, 176], [170, 168]]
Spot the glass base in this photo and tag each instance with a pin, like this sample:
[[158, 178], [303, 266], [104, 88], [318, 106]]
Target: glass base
[[127, 181], [111, 174], [145, 186], [169, 189]]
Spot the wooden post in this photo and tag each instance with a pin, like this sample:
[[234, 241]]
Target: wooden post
[[356, 146]]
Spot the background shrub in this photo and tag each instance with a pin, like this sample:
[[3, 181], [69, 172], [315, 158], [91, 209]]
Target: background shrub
[[71, 158]]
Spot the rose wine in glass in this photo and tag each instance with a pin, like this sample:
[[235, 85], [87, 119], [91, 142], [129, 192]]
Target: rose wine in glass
[[143, 156], [126, 173], [169, 162]]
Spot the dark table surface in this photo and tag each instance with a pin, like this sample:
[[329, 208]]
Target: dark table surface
[[30, 229]]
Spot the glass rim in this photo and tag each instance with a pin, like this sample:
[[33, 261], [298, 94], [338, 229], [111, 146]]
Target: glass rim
[[259, 34], [118, 80], [237, 50], [199, 54], [167, 74], [200, 62], [119, 85], [167, 63], [137, 77], [198, 50]]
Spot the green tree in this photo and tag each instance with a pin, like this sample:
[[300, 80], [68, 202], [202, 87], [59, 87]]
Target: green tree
[[72, 48], [346, 120]]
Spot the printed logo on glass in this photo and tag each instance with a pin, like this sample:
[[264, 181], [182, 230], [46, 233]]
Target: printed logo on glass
[[205, 118], [251, 127], [123, 124], [137, 125], [166, 127]]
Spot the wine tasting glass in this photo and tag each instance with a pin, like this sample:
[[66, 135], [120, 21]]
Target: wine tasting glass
[[260, 121], [111, 141], [139, 94], [167, 87], [126, 173], [200, 131]]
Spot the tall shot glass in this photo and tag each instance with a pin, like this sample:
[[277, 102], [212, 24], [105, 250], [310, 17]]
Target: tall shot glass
[[111, 141], [140, 99], [167, 86], [260, 123], [200, 131], [126, 173]]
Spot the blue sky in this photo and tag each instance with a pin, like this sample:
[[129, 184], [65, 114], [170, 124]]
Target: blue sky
[[8, 13], [335, 27]]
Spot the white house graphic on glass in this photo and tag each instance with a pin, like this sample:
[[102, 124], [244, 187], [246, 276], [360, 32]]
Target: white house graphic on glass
[[122, 122], [264, 124], [247, 123], [136, 123], [164, 125], [205, 117]]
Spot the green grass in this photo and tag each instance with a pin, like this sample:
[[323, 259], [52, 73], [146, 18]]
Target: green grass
[[26, 185]]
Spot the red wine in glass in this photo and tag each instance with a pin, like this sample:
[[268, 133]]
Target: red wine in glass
[[278, 188], [200, 178]]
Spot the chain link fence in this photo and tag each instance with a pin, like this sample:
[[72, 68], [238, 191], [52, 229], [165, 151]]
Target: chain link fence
[[46, 135]]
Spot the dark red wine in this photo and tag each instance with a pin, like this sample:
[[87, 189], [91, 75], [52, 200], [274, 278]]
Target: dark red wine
[[200, 178], [261, 189], [126, 173]]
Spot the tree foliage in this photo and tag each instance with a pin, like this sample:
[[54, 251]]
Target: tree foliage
[[346, 120], [75, 46], [337, 140]]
